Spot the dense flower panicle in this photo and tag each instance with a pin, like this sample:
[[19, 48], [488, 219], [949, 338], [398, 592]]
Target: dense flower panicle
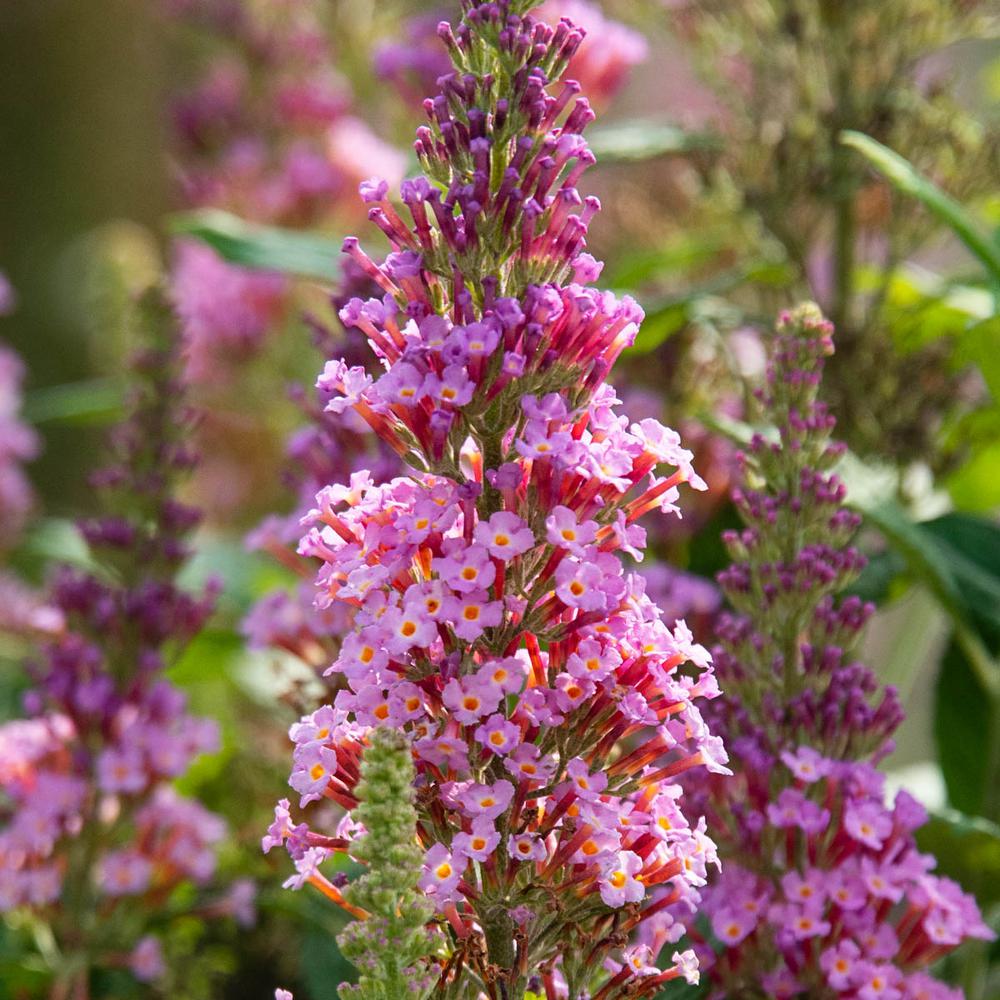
[[18, 444], [824, 892], [89, 820], [549, 708]]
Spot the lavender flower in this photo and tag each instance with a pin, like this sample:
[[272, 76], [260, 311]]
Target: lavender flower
[[92, 833], [18, 444], [494, 623], [823, 893]]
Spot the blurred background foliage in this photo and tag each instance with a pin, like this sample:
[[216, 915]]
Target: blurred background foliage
[[729, 193]]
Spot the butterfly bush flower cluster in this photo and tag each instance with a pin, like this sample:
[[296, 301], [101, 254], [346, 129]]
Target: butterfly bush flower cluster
[[549, 708], [266, 133], [824, 893], [93, 837]]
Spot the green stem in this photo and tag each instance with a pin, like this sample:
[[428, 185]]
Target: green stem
[[842, 190]]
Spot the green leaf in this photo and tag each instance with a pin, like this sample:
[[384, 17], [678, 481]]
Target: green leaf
[[976, 486], [982, 343], [269, 248], [92, 401], [907, 179], [660, 325], [962, 721], [644, 139], [972, 546]]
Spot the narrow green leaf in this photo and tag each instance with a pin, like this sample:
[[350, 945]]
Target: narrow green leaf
[[644, 139], [93, 400], [907, 179], [268, 248]]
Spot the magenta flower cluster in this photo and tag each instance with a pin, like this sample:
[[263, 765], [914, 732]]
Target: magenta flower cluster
[[494, 621], [89, 820], [824, 891]]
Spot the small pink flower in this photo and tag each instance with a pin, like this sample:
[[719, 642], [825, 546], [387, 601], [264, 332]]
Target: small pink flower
[[498, 735], [505, 535], [565, 532], [489, 800], [617, 883], [480, 843], [526, 847]]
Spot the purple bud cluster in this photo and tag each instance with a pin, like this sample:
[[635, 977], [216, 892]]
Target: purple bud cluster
[[490, 197], [601, 64], [89, 820], [823, 892]]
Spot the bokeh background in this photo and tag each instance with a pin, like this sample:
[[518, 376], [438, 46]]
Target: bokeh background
[[89, 171]]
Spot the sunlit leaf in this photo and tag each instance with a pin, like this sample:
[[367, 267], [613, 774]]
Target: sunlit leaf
[[976, 486], [269, 248]]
